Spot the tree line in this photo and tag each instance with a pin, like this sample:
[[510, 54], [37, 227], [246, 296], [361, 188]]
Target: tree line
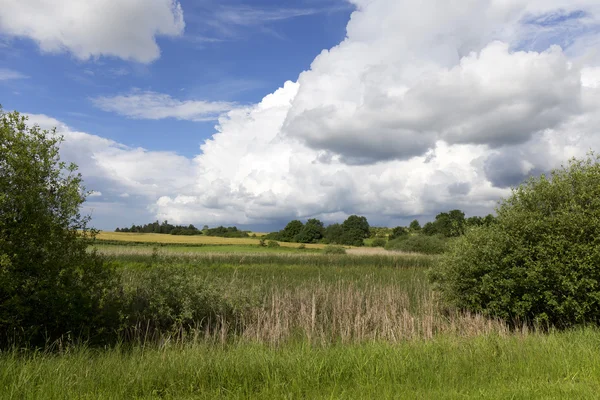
[[351, 232], [190, 230]]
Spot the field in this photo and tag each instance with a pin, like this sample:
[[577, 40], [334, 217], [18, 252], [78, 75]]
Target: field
[[288, 323], [200, 240]]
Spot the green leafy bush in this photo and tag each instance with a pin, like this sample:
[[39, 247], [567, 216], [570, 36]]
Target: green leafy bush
[[50, 285], [334, 250], [540, 261], [166, 299], [273, 244], [378, 242], [418, 244]]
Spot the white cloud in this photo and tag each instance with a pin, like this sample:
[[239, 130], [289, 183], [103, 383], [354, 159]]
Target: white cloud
[[424, 107], [121, 28], [113, 168], [152, 105], [95, 194], [8, 74]]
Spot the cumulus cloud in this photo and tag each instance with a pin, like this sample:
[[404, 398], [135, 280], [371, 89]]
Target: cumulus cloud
[[152, 105], [121, 28], [424, 107]]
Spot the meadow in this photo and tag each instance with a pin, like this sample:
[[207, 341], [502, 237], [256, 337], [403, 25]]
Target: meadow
[[199, 240], [286, 323]]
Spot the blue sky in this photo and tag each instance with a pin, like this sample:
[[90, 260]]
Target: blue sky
[[253, 113], [233, 62]]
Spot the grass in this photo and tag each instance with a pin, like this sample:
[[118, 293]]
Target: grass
[[188, 240], [116, 248], [304, 325], [553, 366]]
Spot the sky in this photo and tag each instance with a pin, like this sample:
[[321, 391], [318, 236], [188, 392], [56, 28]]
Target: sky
[[253, 113]]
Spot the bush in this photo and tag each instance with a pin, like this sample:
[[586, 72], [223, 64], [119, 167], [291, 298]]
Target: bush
[[302, 247], [539, 263], [418, 244], [334, 250], [378, 242], [162, 300], [50, 285], [273, 244]]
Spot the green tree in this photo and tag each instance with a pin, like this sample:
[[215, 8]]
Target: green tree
[[290, 231], [415, 226], [354, 230], [311, 232], [49, 283], [397, 232], [333, 233], [539, 261]]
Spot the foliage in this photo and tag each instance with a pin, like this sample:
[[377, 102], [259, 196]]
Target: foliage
[[450, 224], [378, 242], [230, 232], [334, 250], [418, 244], [165, 228], [163, 299], [273, 244], [415, 226], [351, 233], [479, 221], [50, 285], [397, 232], [380, 232], [312, 232], [539, 261]]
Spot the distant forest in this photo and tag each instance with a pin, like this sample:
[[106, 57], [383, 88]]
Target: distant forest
[[190, 230]]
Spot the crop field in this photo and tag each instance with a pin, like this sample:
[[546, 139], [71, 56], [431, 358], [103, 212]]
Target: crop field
[[292, 324], [199, 240]]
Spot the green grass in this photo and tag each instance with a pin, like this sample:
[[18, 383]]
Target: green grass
[[174, 248], [304, 326], [553, 366]]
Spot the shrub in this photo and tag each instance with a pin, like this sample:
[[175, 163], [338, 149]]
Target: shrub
[[273, 244], [378, 242], [50, 285], [418, 244], [398, 232], [165, 299], [539, 263], [334, 250], [302, 247]]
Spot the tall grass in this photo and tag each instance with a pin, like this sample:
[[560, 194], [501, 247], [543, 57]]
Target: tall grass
[[299, 326], [144, 255], [554, 366]]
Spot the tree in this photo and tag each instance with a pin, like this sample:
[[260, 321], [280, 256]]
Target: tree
[[312, 232], [538, 262], [333, 233], [354, 230], [49, 283], [397, 232], [415, 226], [290, 231]]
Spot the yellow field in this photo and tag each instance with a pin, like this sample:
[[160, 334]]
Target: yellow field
[[174, 239]]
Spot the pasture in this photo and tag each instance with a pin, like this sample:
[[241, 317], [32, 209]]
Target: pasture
[[199, 240]]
